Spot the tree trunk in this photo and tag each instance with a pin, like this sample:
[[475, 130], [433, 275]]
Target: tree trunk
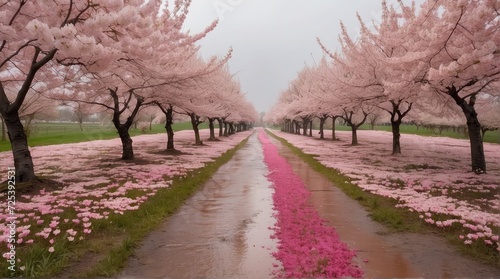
[[168, 126], [321, 127], [127, 148], [221, 128], [195, 122], [128, 151], [80, 123], [354, 135], [4, 133], [396, 136], [19, 142], [225, 129], [396, 119], [305, 125], [310, 128], [354, 127], [169, 120], [334, 119], [476, 145], [478, 160], [212, 129]]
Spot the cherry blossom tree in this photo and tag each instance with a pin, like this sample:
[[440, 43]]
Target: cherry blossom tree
[[458, 48], [304, 100], [155, 52], [34, 35], [224, 96], [399, 87], [187, 97], [349, 90], [366, 68], [327, 96]]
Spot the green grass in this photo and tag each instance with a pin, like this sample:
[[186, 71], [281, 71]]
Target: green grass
[[58, 133], [112, 241], [383, 210], [491, 136]]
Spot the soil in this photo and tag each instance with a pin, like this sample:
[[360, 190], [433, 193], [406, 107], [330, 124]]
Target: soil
[[223, 231], [33, 187]]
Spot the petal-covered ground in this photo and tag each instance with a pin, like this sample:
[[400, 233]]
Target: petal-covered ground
[[307, 248], [97, 183], [432, 177]]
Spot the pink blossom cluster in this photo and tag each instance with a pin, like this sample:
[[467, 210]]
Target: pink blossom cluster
[[430, 176], [98, 184], [306, 246]]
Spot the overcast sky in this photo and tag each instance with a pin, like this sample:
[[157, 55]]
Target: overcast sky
[[273, 39]]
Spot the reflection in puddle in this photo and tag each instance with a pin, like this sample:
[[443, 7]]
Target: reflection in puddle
[[221, 232]]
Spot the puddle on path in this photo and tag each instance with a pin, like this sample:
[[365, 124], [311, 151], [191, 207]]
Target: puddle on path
[[221, 232], [389, 255]]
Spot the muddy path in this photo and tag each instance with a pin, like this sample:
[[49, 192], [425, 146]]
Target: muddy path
[[380, 253], [222, 231]]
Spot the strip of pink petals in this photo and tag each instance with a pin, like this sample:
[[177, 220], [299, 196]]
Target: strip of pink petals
[[431, 192], [306, 246]]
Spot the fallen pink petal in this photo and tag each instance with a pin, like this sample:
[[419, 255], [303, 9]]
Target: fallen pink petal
[[306, 246]]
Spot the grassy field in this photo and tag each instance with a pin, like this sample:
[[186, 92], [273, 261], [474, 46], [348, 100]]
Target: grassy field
[[491, 136], [112, 242], [58, 133]]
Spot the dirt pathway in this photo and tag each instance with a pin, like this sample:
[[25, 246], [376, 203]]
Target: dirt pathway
[[222, 231], [400, 255]]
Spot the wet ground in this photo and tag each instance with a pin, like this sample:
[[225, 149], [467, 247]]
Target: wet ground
[[222, 231], [398, 255]]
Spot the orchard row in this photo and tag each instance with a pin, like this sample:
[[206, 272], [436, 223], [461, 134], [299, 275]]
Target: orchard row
[[114, 56], [436, 64]]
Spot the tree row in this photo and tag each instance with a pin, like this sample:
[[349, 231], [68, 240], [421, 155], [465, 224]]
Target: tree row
[[435, 64], [116, 56]]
